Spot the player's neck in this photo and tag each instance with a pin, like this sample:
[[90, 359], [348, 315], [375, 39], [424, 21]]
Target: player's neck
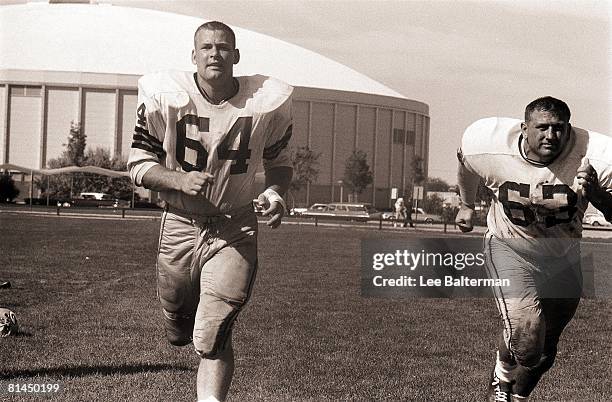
[[217, 92], [532, 157]]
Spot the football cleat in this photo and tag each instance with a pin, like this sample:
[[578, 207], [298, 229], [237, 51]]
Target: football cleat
[[8, 323], [499, 391]]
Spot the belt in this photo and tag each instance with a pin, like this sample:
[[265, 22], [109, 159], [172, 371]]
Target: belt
[[207, 219]]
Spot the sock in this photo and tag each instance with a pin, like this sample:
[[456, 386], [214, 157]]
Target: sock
[[503, 370]]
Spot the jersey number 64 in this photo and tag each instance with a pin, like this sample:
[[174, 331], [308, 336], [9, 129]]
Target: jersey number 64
[[241, 127]]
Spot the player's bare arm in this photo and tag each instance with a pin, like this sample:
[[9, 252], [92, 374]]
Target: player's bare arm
[[159, 178], [468, 186], [589, 183], [277, 184]]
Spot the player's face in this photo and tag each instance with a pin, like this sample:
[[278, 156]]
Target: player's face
[[215, 55], [546, 135]]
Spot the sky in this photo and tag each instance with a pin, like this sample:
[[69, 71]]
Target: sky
[[466, 60]]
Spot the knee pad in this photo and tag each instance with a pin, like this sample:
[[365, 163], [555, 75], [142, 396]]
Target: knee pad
[[179, 329], [526, 351], [528, 358], [212, 335], [527, 343]]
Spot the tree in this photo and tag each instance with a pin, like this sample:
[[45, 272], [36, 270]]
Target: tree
[[75, 149], [418, 175], [118, 187], [433, 204], [8, 190], [56, 186], [357, 173], [305, 168], [63, 187], [436, 184]]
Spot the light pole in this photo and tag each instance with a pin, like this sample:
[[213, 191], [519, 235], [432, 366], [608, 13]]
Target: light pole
[[340, 183]]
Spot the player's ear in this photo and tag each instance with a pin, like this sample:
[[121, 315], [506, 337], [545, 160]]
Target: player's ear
[[193, 56], [524, 129], [236, 56]]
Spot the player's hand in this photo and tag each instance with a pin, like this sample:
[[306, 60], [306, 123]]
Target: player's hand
[[193, 183], [464, 219], [587, 178], [274, 210]]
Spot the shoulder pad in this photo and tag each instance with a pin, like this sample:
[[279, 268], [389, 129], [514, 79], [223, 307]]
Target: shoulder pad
[[167, 87], [497, 135], [267, 93]]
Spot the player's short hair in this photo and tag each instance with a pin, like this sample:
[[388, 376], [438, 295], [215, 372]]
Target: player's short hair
[[549, 104], [216, 26]]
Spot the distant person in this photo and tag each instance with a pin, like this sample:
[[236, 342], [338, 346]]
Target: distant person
[[401, 213], [199, 140], [408, 220], [543, 173]]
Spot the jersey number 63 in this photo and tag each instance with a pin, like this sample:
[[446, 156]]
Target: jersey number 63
[[556, 204]]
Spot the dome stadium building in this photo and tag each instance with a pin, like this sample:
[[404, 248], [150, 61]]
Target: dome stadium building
[[65, 61]]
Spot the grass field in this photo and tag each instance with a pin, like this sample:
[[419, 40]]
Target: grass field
[[84, 292]]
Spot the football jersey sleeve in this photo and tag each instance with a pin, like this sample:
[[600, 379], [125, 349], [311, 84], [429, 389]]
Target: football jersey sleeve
[[276, 149], [147, 143], [463, 161]]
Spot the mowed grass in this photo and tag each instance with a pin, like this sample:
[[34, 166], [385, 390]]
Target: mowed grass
[[84, 292]]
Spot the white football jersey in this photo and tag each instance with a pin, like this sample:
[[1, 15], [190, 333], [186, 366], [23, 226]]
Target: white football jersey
[[534, 201], [179, 129]]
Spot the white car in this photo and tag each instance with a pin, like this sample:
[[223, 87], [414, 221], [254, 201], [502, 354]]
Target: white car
[[387, 215], [595, 219], [339, 210], [418, 215], [297, 211]]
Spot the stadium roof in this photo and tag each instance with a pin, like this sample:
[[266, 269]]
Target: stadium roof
[[108, 39]]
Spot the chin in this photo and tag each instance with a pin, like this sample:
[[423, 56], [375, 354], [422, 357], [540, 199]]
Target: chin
[[215, 75], [548, 156]]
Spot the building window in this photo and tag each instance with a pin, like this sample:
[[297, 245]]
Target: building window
[[410, 137], [399, 136], [403, 137], [22, 90]]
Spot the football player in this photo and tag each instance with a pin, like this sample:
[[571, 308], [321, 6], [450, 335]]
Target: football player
[[543, 173], [199, 140]]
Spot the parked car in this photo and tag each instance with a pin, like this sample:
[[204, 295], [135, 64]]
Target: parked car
[[340, 210], [595, 219], [317, 207], [297, 211], [418, 215], [100, 200], [385, 214], [39, 201]]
